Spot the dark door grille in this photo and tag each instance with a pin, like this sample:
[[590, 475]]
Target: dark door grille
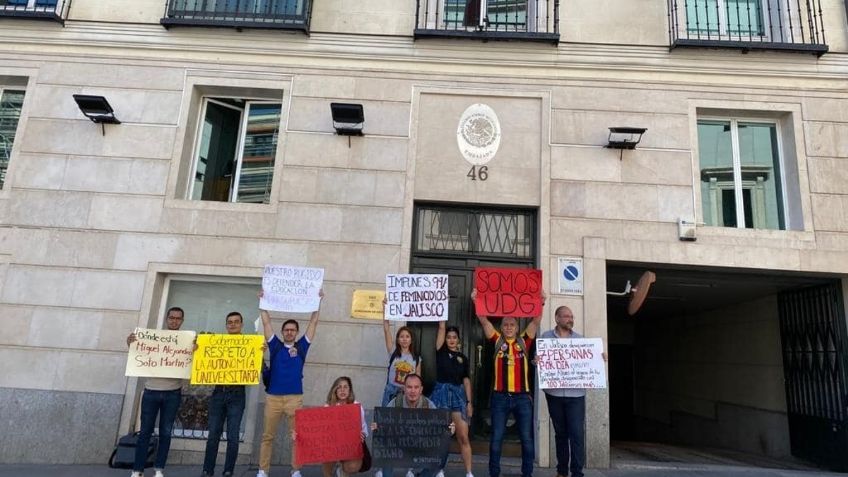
[[475, 232], [813, 335]]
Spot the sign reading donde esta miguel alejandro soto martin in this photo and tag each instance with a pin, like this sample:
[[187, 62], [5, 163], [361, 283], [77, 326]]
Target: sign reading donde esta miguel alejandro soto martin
[[478, 134]]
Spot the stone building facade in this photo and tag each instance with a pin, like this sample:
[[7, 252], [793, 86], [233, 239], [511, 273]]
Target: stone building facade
[[227, 159]]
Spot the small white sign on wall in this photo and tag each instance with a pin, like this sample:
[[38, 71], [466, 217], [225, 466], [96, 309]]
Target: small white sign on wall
[[570, 275]]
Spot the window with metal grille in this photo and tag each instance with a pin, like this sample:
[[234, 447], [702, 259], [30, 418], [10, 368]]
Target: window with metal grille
[[11, 102], [475, 231]]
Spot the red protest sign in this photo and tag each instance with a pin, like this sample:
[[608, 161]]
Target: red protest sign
[[508, 292], [328, 434]]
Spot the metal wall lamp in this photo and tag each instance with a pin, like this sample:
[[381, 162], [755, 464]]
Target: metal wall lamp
[[348, 119], [97, 109], [624, 138]]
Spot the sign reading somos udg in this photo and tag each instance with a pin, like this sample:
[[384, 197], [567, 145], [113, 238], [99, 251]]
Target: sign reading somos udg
[[575, 363], [161, 354], [414, 297], [227, 359]]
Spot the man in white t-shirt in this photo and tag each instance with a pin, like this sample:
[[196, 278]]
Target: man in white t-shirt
[[161, 398]]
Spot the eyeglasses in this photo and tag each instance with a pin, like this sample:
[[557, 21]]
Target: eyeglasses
[[174, 317]]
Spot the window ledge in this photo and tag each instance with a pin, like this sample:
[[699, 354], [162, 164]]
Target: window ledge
[[745, 46], [552, 38], [709, 231], [270, 208]]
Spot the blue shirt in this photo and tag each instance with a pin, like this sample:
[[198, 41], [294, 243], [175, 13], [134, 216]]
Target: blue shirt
[[565, 392], [287, 368]]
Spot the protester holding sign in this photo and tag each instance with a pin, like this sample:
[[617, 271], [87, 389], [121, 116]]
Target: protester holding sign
[[403, 360], [225, 404], [453, 389], [567, 407], [511, 391], [392, 446], [161, 398], [341, 392], [285, 391]]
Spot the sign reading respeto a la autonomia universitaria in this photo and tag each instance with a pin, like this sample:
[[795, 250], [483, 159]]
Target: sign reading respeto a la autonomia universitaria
[[508, 292], [328, 434], [227, 359], [410, 437], [291, 289], [416, 297], [161, 354], [575, 363]]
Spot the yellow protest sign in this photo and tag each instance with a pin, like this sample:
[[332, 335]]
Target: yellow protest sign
[[367, 304], [227, 359]]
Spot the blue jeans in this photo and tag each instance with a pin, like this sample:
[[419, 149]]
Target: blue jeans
[[521, 406], [165, 404], [226, 403], [568, 415]]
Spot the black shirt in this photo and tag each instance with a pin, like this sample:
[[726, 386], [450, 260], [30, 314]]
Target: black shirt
[[451, 366]]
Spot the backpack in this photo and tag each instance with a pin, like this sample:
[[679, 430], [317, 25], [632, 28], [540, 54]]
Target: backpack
[[123, 457]]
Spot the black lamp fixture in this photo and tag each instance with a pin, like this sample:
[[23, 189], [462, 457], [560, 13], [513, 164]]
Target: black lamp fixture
[[97, 109], [624, 138], [348, 119]]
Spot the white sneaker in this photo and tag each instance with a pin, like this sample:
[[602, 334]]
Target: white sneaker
[[469, 474], [440, 473], [158, 473], [296, 473], [410, 473], [261, 473], [137, 474], [379, 473]]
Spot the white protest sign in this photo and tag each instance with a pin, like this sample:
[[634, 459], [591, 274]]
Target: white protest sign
[[161, 354], [292, 289], [416, 297], [576, 363]]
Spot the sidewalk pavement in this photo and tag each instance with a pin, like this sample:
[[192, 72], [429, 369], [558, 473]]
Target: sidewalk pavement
[[635, 469]]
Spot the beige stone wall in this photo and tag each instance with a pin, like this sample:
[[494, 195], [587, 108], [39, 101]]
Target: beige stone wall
[[92, 222]]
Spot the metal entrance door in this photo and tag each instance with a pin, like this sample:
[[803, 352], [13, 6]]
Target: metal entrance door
[[454, 241], [813, 336]]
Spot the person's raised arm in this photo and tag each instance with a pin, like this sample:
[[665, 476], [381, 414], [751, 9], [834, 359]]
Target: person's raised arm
[[488, 327], [313, 320], [440, 335], [387, 331], [533, 327], [267, 330]]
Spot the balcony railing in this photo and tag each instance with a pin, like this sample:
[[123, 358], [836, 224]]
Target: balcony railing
[[55, 10], [529, 20], [272, 14], [792, 25]]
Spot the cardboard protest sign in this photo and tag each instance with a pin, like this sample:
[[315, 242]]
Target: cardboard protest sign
[[292, 289], [161, 354], [571, 363], [410, 437], [328, 434], [367, 304], [416, 297], [227, 359], [508, 292]]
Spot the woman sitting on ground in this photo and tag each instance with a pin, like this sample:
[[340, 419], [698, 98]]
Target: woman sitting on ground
[[342, 393]]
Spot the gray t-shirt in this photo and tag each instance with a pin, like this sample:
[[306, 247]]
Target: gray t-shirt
[[164, 384], [565, 392]]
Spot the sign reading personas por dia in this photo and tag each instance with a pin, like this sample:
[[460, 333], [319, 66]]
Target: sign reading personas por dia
[[570, 363]]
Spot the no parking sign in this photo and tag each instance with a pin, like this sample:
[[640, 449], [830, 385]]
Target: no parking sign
[[570, 275]]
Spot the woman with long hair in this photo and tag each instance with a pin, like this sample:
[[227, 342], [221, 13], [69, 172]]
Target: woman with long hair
[[341, 392], [403, 360], [453, 388]]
